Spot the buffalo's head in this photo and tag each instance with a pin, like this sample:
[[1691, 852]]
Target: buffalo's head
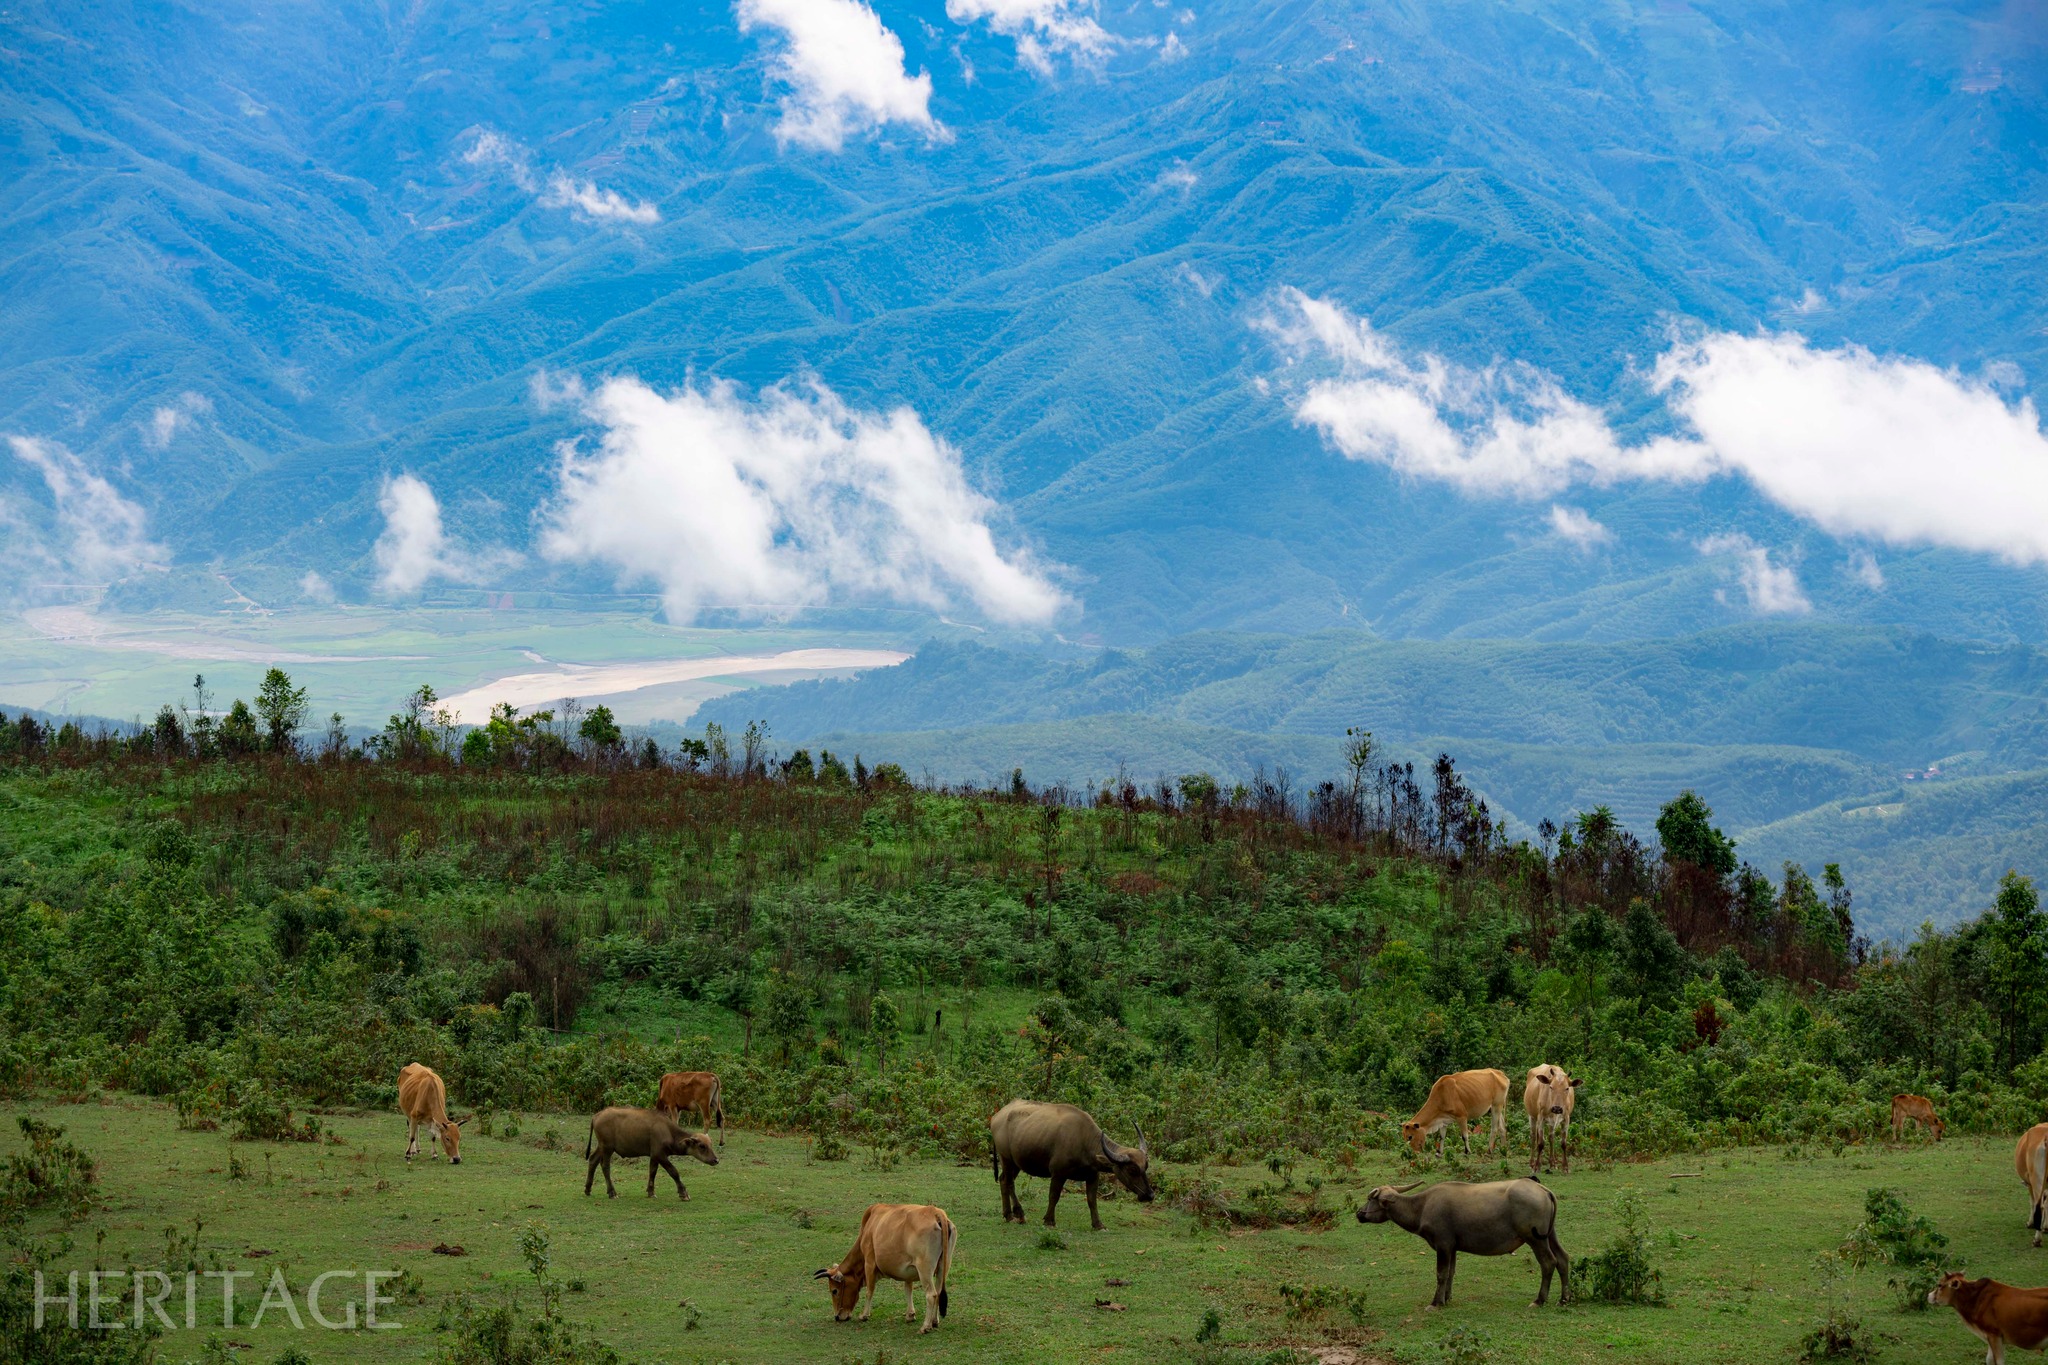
[[845, 1282], [683, 1143], [1131, 1166], [1944, 1291], [1374, 1209]]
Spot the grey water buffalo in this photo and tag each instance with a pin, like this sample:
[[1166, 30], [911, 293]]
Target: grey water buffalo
[[1059, 1142], [912, 1243], [1493, 1219], [619, 1131], [423, 1099]]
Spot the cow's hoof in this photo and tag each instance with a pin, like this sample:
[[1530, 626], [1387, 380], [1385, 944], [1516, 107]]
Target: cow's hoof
[[684, 1196]]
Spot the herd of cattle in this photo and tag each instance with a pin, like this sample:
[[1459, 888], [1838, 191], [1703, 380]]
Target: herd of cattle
[[913, 1244]]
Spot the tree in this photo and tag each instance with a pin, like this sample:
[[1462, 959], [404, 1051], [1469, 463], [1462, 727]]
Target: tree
[[1685, 826], [601, 732], [238, 734], [283, 709], [886, 1025], [788, 1014], [2016, 967]]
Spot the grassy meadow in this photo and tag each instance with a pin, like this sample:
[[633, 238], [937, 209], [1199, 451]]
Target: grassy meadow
[[1735, 1234]]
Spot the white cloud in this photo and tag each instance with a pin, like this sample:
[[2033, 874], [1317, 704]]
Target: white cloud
[[1173, 49], [1043, 29], [1887, 449], [844, 69], [1772, 589], [560, 190], [1191, 276], [1504, 429], [1576, 527], [314, 586], [105, 534], [415, 549], [589, 201], [1863, 567], [1178, 176], [167, 421], [790, 498]]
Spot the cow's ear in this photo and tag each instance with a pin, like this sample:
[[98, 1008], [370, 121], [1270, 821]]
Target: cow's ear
[[1576, 1083]]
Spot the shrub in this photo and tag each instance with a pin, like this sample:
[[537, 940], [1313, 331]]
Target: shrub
[[1622, 1273], [1892, 1235], [261, 1116], [53, 1173]]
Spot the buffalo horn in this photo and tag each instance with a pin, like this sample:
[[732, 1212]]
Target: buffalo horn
[[1403, 1189]]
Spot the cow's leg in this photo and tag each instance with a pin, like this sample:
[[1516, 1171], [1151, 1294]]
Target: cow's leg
[[1446, 1266], [610, 1190], [874, 1282], [589, 1174], [1052, 1198], [412, 1138], [1094, 1218], [910, 1301], [1564, 1142]]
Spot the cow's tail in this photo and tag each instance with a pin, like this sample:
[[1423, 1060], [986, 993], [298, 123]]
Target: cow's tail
[[950, 1235], [2039, 1181]]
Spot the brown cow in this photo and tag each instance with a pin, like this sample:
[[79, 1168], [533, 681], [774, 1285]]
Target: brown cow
[[1919, 1109], [908, 1242], [619, 1131], [1999, 1313], [1549, 1096], [1461, 1098], [424, 1102], [694, 1092], [2030, 1159]]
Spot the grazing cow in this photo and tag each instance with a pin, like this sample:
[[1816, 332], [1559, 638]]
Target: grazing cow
[[619, 1131], [1919, 1109], [908, 1242], [424, 1102], [1999, 1313], [2030, 1159], [1549, 1096], [1058, 1142], [1493, 1219], [694, 1093], [1460, 1098]]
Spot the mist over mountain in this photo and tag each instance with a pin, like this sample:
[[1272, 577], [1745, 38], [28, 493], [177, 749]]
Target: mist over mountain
[[1466, 322]]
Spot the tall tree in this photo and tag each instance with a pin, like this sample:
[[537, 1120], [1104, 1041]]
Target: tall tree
[[2016, 967], [283, 709], [1685, 826]]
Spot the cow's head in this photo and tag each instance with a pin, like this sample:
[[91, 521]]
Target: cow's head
[[1944, 1291], [1374, 1209], [845, 1282], [1415, 1135], [450, 1138], [1132, 1167], [683, 1143]]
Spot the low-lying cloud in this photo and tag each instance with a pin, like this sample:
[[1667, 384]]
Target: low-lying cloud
[[790, 497], [1874, 448], [166, 421], [843, 72], [1576, 527], [102, 535], [415, 548], [1772, 589], [1043, 29], [557, 189]]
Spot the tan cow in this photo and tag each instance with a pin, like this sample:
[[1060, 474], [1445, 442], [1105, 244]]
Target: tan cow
[[2030, 1159], [695, 1093], [1549, 1096], [2000, 1314], [424, 1102], [1460, 1098], [1919, 1109], [908, 1242]]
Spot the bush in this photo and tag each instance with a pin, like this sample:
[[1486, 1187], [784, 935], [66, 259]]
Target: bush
[[1892, 1235], [52, 1174], [1622, 1273], [261, 1116]]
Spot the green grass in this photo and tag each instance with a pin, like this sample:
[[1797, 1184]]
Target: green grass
[[1736, 1242]]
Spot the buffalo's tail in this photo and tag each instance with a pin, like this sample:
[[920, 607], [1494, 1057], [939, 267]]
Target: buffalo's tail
[[995, 1163], [589, 1138]]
